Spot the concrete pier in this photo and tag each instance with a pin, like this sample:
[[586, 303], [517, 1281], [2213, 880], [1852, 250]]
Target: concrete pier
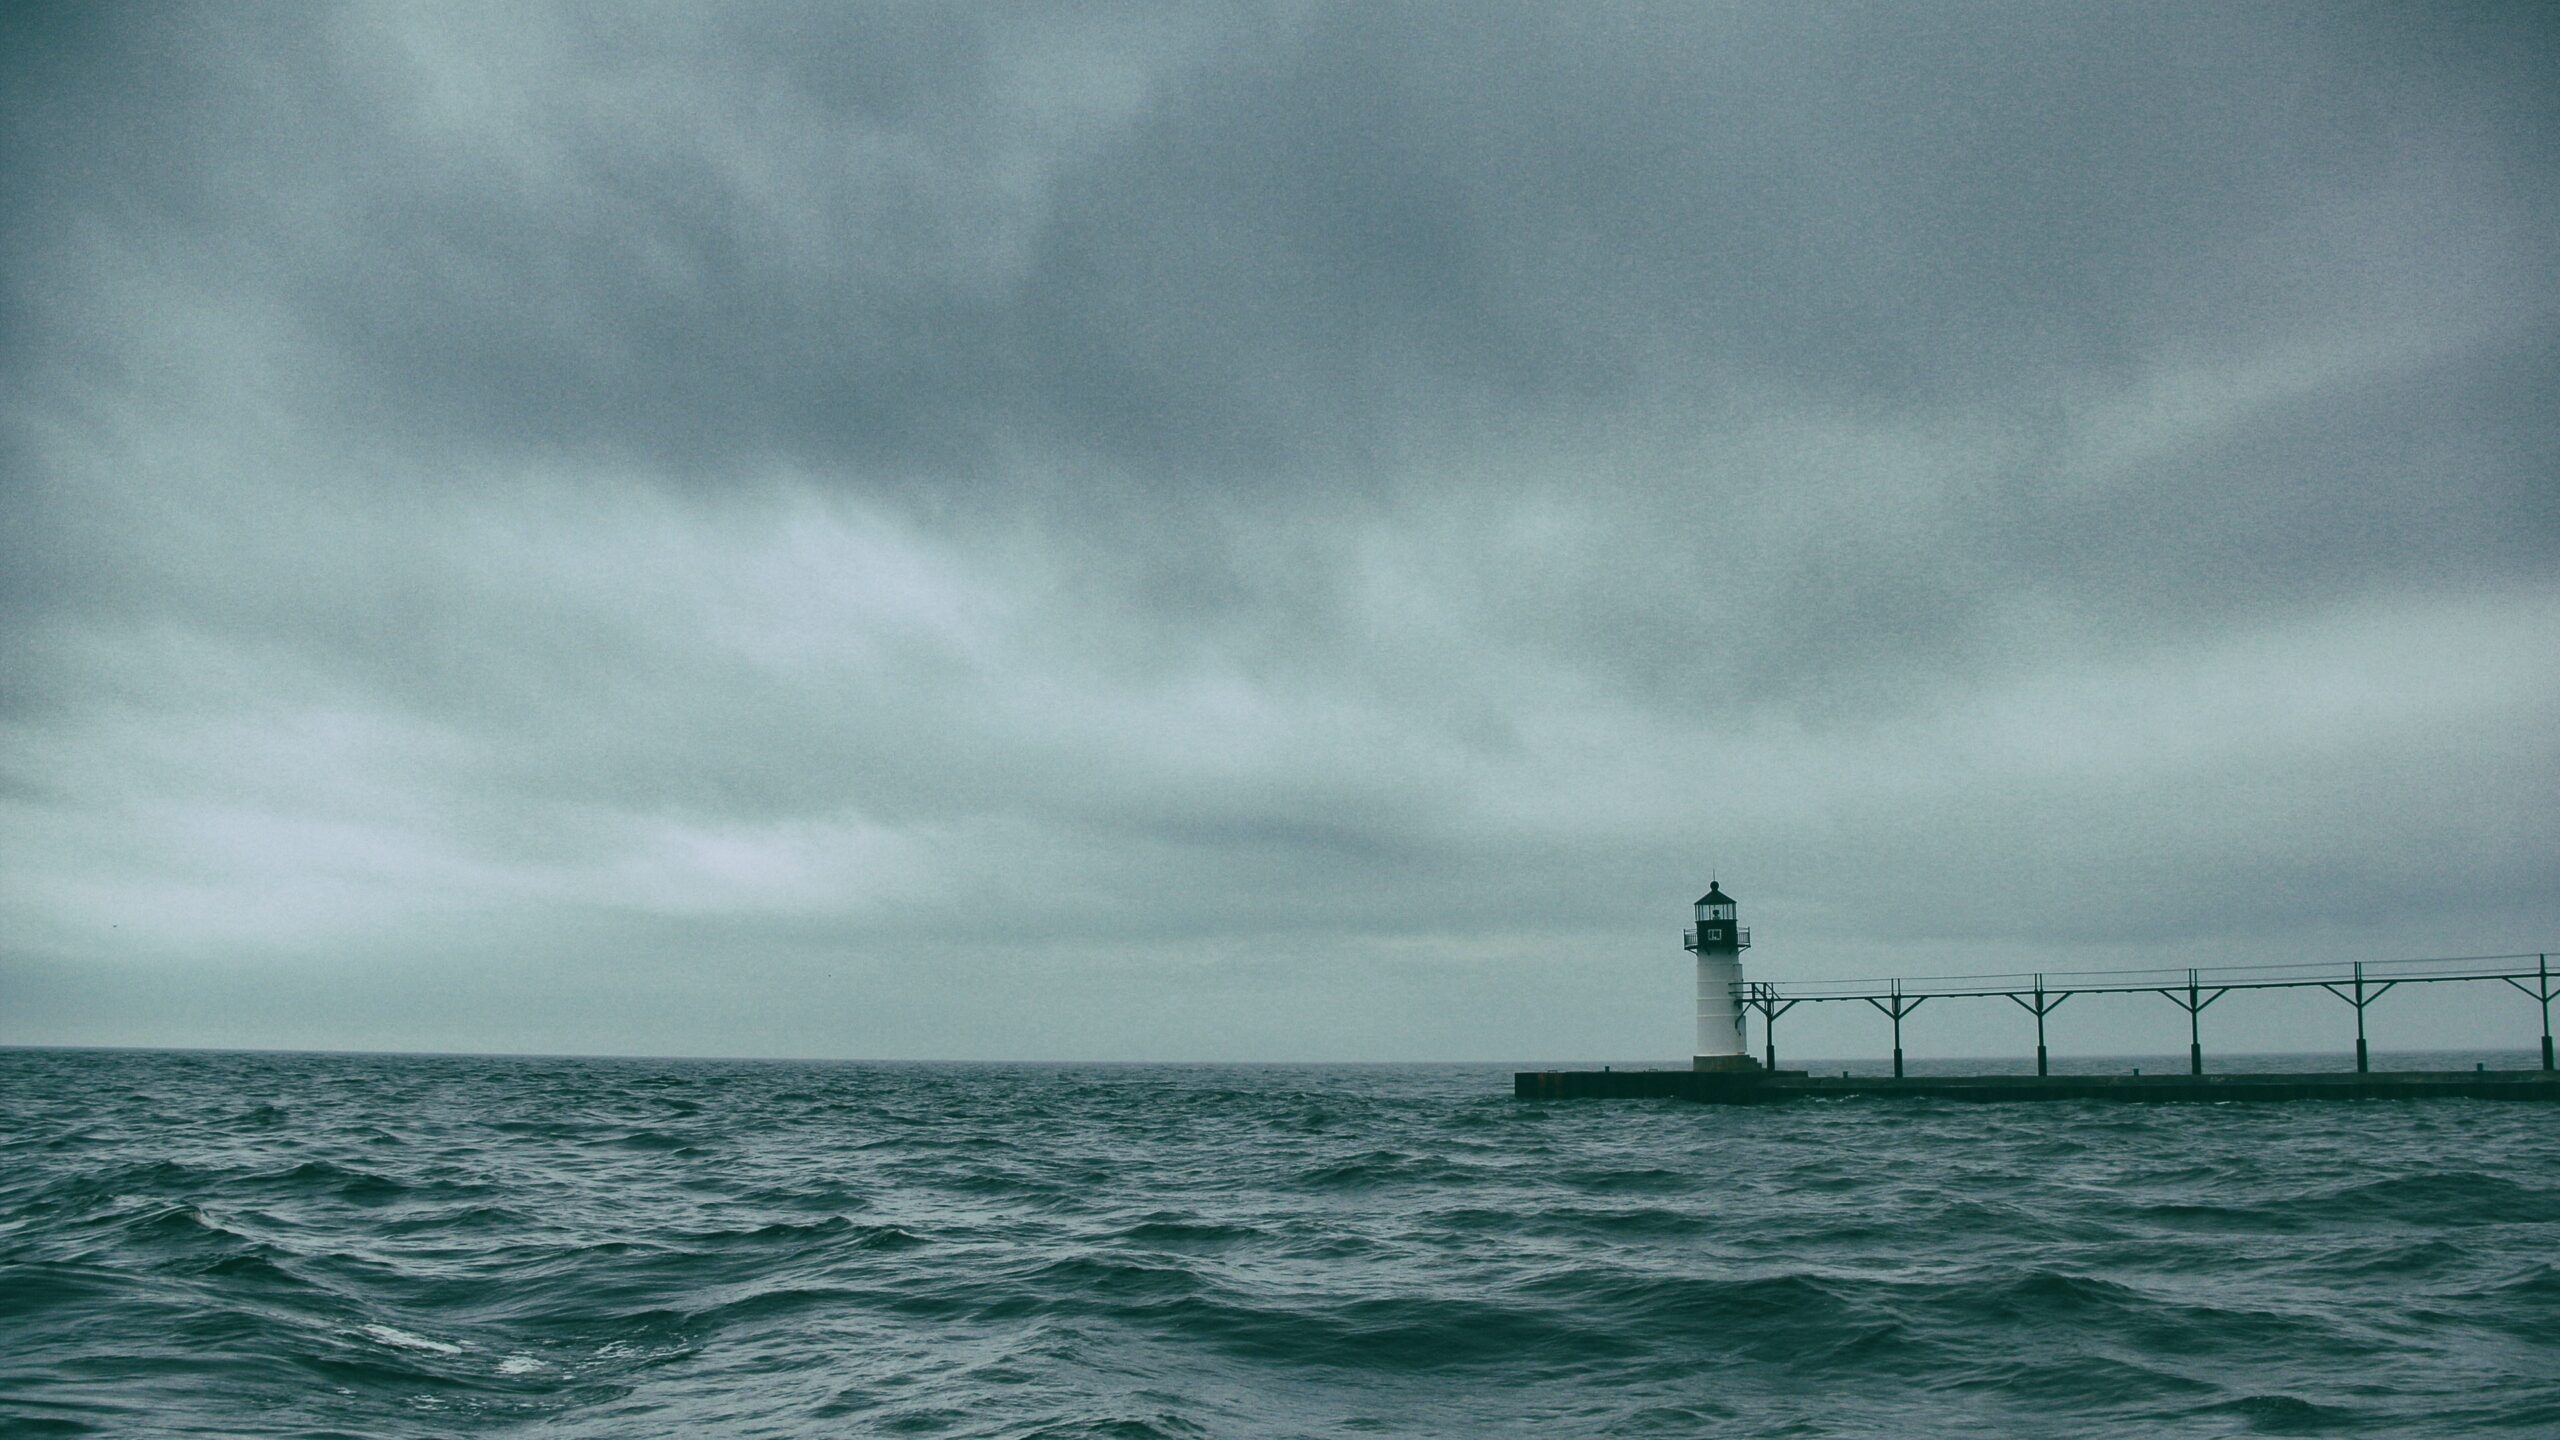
[[1767, 1086]]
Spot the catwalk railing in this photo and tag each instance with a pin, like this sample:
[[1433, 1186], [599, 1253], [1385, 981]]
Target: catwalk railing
[[2359, 984]]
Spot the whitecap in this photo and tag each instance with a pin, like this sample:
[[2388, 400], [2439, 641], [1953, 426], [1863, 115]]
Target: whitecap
[[520, 1365], [402, 1339]]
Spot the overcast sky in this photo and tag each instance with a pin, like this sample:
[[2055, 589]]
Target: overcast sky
[[1080, 531]]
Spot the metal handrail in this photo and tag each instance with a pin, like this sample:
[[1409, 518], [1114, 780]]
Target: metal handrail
[[2192, 988], [2290, 975]]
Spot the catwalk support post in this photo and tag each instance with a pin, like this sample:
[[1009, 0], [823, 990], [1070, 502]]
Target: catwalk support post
[[1896, 1005], [1763, 997], [2035, 1003], [2193, 1002], [2541, 992], [2360, 997]]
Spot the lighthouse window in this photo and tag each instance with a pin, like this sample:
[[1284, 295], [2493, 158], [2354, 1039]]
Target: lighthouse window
[[1715, 934]]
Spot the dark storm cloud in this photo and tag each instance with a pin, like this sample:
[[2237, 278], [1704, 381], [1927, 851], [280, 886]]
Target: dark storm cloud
[[891, 235], [1280, 484]]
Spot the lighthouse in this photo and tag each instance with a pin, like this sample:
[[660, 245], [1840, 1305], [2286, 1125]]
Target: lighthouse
[[1718, 943]]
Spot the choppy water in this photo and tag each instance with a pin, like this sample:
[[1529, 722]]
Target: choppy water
[[386, 1246]]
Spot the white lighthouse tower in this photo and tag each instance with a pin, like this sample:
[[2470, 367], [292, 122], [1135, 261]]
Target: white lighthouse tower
[[1718, 943]]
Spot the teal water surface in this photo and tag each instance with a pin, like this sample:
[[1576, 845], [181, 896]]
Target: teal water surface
[[310, 1245]]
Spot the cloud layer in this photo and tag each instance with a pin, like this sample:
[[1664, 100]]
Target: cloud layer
[[1285, 531]]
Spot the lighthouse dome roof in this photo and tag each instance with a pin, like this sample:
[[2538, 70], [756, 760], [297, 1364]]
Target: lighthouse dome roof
[[1715, 895]]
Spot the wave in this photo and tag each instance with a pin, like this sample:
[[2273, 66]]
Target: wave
[[380, 1246]]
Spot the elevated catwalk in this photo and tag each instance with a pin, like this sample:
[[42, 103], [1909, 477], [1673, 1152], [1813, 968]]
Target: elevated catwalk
[[2360, 985], [1761, 1087], [1733, 1078], [1723, 1072]]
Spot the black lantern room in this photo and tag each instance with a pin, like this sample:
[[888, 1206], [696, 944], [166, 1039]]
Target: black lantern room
[[1715, 930]]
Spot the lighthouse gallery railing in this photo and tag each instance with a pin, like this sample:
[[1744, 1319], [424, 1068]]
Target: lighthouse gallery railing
[[1741, 938]]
